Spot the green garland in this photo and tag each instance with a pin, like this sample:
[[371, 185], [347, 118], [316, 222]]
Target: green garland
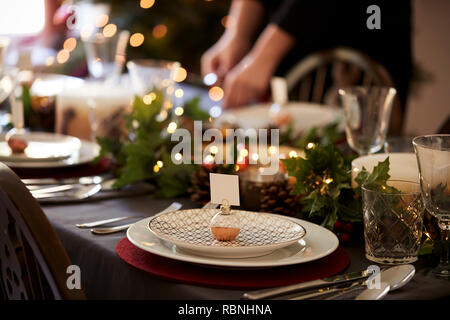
[[143, 153]]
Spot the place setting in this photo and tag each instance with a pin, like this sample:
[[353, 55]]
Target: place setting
[[231, 243]]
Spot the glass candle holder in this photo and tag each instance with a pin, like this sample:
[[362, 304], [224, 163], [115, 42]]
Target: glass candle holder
[[225, 225]]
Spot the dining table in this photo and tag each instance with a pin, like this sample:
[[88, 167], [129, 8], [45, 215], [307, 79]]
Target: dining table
[[104, 275]]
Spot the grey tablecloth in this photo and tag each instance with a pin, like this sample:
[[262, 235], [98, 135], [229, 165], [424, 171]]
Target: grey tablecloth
[[106, 276]]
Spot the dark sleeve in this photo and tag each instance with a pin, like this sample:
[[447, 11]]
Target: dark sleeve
[[303, 18]]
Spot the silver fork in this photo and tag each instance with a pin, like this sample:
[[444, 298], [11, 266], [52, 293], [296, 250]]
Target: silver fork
[[108, 230]]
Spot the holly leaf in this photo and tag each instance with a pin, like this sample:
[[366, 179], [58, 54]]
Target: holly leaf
[[379, 175]]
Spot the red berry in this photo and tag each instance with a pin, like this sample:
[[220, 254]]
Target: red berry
[[344, 237], [347, 227], [337, 226]]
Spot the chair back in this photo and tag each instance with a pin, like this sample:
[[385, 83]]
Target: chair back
[[33, 262], [318, 76]]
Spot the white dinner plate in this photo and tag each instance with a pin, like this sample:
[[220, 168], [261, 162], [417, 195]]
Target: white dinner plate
[[260, 233], [88, 151], [303, 115], [317, 243], [42, 146]]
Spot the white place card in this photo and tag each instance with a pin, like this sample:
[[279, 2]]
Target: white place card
[[224, 187]]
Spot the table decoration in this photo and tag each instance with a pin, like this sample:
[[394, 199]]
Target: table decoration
[[39, 99], [92, 109], [238, 279], [143, 150]]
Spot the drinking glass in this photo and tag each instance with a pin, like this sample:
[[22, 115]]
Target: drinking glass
[[106, 55], [367, 113], [147, 75], [393, 222], [433, 158]]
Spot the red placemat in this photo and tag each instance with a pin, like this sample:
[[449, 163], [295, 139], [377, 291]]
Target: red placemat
[[243, 279], [88, 169]]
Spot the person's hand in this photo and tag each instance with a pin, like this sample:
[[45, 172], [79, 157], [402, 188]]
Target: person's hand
[[250, 79], [247, 81], [224, 55]]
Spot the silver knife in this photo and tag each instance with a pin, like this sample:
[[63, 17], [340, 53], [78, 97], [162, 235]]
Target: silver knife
[[82, 193], [173, 207], [396, 277], [326, 282], [81, 180], [64, 187]]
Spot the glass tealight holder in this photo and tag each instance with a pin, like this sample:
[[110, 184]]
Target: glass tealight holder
[[225, 225]]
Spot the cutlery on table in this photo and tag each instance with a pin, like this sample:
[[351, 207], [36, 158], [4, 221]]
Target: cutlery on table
[[83, 192], [103, 222], [394, 277], [321, 283], [47, 188], [50, 181], [173, 207]]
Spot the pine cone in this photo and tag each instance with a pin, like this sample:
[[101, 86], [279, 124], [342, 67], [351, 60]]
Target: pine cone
[[276, 197]]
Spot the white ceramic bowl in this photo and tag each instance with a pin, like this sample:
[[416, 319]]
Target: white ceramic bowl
[[403, 166]]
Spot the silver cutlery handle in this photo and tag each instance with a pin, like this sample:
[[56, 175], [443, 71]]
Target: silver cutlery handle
[[111, 229], [64, 187], [320, 283], [321, 292], [102, 222], [173, 207], [267, 293]]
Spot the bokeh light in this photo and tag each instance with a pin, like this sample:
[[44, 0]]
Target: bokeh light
[[179, 93], [62, 56], [179, 111], [180, 74], [159, 31], [171, 127], [70, 44], [210, 79], [109, 30], [215, 111], [136, 39], [145, 4], [215, 93]]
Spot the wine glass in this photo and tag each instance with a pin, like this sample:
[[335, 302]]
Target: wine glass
[[433, 158], [367, 113], [106, 55]]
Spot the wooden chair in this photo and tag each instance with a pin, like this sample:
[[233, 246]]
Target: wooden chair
[[33, 262], [317, 77]]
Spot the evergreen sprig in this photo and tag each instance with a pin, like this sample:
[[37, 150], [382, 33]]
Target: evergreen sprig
[[145, 142]]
